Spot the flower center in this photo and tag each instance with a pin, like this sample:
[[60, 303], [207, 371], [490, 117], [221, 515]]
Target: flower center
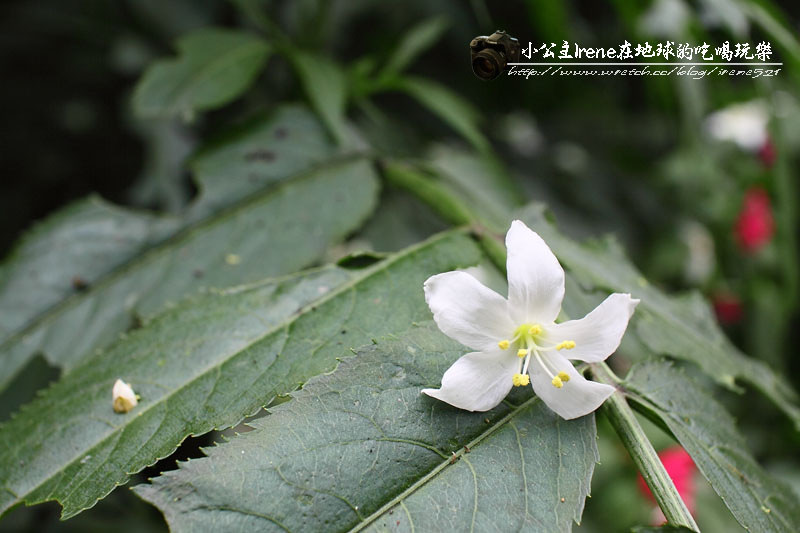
[[530, 343]]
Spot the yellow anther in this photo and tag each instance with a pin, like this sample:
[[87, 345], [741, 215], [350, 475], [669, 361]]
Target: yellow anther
[[520, 380], [522, 353], [503, 345], [557, 383], [535, 329], [563, 376], [565, 344]]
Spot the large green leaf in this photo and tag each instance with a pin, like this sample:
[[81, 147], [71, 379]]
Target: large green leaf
[[69, 251], [66, 255], [679, 326], [758, 500], [214, 67], [361, 447], [276, 232], [206, 364]]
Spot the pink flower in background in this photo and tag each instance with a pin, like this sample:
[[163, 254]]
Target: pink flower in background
[[755, 225], [727, 307], [681, 470]]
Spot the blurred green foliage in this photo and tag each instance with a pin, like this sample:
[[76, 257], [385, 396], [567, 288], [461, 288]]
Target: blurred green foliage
[[630, 156]]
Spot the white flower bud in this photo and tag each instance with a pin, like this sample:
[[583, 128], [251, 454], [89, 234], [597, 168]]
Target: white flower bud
[[124, 397]]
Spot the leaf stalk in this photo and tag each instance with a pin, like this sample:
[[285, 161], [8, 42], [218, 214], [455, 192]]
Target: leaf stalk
[[641, 450]]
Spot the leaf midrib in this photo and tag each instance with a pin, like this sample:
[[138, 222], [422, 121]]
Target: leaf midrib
[[444, 464], [367, 273]]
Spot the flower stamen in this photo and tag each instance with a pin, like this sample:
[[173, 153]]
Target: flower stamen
[[530, 336], [520, 380]]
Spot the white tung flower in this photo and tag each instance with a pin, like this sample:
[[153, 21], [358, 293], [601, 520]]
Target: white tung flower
[[743, 124], [123, 397], [517, 341]]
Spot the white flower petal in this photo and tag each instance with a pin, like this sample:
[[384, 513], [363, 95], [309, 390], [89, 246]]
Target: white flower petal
[[478, 381], [535, 278], [467, 311], [576, 398], [598, 334]]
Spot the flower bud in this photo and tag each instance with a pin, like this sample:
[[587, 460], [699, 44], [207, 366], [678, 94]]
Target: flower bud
[[123, 396]]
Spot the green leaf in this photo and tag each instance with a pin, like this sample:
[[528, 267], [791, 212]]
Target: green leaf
[[447, 105], [326, 88], [362, 447], [68, 258], [758, 500], [257, 154], [207, 363], [67, 253], [273, 233], [214, 67], [414, 42], [772, 22], [679, 326]]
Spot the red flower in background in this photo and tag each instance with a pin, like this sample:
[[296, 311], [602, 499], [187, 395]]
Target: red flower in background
[[727, 307], [767, 153], [755, 225], [681, 469]]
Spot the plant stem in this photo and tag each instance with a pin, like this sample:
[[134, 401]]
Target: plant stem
[[429, 191], [632, 435]]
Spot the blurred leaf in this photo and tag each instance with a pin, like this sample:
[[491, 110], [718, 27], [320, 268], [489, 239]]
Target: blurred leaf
[[401, 221], [162, 181], [62, 257], [51, 279], [121, 512], [258, 154], [414, 42], [362, 447], [214, 67], [448, 106], [273, 233], [34, 376], [758, 500], [766, 15], [679, 326], [207, 363], [550, 20], [325, 85]]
